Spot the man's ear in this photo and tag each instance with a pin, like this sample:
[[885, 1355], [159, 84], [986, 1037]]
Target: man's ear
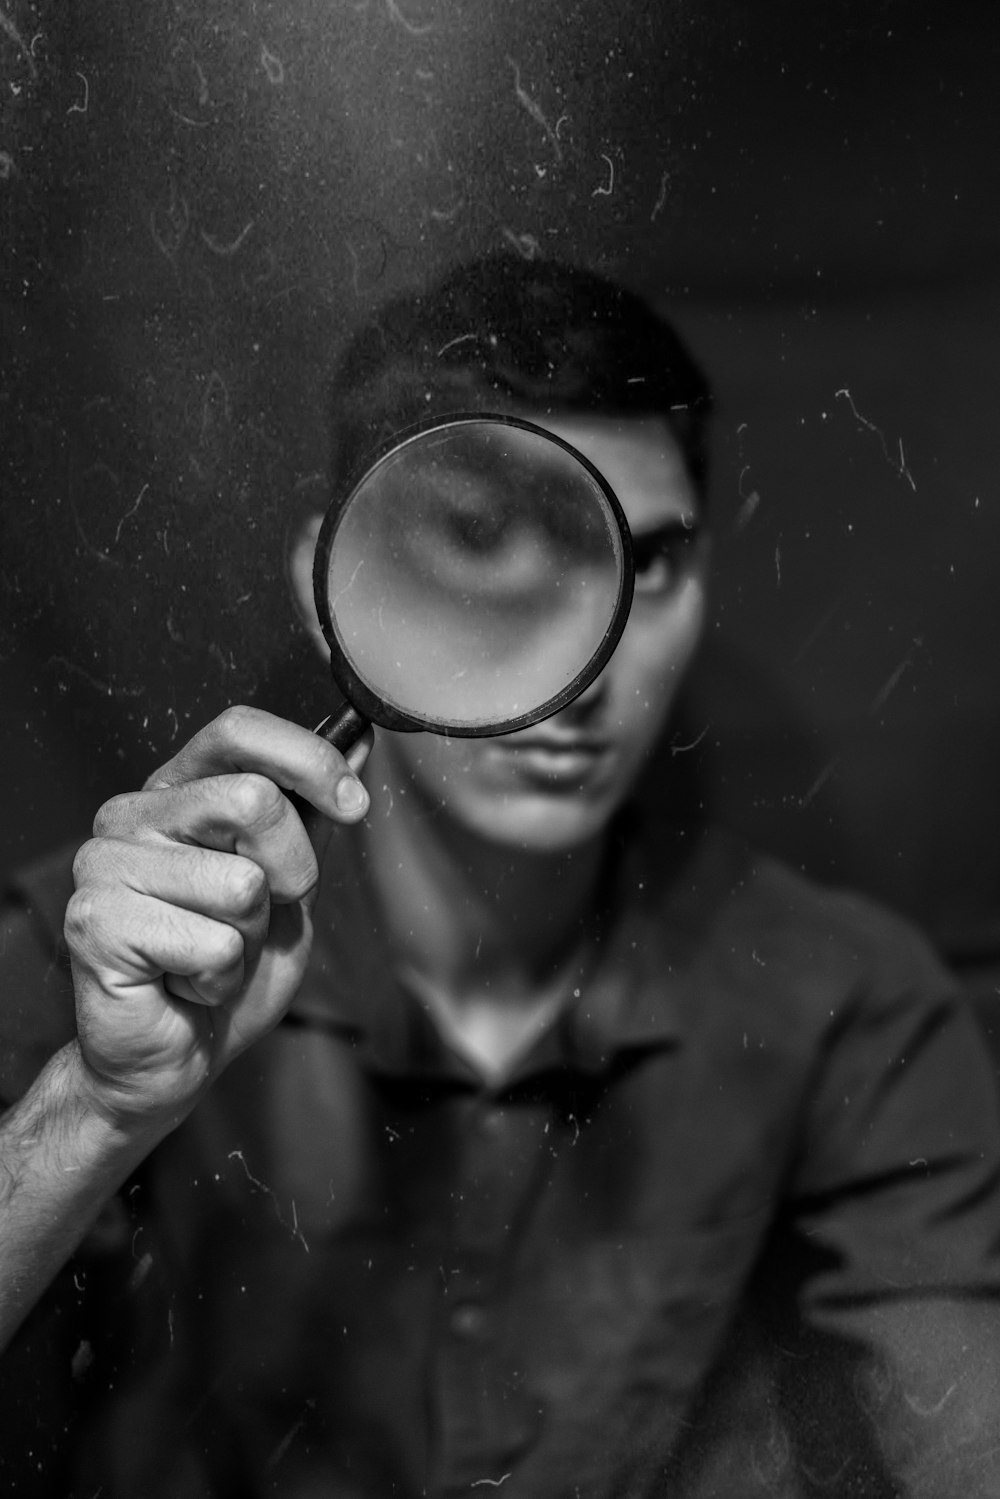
[[300, 570]]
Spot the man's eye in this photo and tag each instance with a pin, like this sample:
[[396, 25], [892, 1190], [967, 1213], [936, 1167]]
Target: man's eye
[[654, 572], [660, 559]]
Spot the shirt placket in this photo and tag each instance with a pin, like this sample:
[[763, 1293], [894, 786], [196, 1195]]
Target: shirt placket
[[484, 1419]]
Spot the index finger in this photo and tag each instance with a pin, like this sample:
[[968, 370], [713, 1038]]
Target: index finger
[[249, 739]]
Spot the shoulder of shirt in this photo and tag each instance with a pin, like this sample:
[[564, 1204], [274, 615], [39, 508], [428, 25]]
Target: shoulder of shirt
[[774, 936]]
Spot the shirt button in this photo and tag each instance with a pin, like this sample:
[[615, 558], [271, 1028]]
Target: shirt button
[[491, 1121], [468, 1320]]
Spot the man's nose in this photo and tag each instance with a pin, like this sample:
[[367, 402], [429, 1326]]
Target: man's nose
[[589, 702]]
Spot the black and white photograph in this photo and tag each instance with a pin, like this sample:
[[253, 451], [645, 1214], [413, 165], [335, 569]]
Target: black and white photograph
[[500, 749]]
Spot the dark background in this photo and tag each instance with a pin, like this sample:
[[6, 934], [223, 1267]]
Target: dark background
[[200, 198]]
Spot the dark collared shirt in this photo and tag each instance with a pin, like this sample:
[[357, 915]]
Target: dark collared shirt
[[730, 1228]]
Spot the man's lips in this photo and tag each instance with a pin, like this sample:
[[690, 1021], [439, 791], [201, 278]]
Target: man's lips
[[563, 757], [555, 744]]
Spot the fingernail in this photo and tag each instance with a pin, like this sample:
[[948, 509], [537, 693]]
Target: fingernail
[[350, 795]]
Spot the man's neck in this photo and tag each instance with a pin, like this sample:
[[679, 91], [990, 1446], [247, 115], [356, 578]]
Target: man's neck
[[481, 923]]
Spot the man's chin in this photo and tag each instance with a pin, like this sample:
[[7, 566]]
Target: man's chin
[[544, 823]]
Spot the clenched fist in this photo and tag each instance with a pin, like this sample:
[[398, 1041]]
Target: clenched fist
[[190, 927]]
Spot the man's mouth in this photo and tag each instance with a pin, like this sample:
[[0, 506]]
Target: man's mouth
[[553, 758]]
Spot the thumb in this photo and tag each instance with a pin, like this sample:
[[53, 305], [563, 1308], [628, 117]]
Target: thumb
[[359, 751], [319, 827]]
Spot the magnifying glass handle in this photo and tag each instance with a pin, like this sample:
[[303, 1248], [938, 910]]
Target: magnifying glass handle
[[344, 728]]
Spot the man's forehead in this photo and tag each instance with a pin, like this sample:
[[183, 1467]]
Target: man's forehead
[[642, 461]]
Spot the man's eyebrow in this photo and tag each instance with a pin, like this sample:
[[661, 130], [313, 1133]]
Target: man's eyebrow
[[677, 528]]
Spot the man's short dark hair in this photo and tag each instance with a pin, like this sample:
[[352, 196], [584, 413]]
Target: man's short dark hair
[[506, 334]]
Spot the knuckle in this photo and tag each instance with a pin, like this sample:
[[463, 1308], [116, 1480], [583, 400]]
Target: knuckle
[[114, 815], [246, 885], [233, 726], [227, 947], [86, 861], [254, 801], [307, 876], [320, 762], [82, 920]]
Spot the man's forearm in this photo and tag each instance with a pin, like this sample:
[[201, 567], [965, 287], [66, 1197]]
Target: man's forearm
[[60, 1160]]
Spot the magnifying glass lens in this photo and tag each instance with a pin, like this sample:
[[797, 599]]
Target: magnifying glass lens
[[473, 575]]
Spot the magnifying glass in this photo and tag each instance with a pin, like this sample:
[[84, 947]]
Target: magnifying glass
[[474, 580]]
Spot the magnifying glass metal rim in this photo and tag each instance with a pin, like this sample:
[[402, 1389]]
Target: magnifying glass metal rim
[[355, 689]]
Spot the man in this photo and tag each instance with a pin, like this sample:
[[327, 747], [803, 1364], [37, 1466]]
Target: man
[[538, 1146]]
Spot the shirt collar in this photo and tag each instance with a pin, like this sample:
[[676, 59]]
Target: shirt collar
[[631, 997]]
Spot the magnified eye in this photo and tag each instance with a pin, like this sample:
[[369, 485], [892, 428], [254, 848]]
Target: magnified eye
[[462, 536], [478, 531], [487, 554], [661, 557]]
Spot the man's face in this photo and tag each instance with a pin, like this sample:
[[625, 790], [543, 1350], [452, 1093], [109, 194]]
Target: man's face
[[555, 786]]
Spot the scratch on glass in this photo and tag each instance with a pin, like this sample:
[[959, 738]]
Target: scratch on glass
[[272, 65], [605, 189], [534, 109], [682, 749], [220, 247], [899, 464], [129, 513], [81, 109], [526, 245], [293, 1227], [816, 632], [169, 225], [413, 27], [347, 586], [819, 783], [890, 685]]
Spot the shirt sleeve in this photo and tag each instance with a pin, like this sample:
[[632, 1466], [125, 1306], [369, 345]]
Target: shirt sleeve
[[894, 1219], [62, 1354]]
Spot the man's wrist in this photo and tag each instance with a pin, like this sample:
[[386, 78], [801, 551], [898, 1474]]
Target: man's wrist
[[110, 1119], [62, 1155]]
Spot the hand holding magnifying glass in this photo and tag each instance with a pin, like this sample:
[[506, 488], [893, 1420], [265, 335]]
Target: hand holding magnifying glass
[[474, 581]]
